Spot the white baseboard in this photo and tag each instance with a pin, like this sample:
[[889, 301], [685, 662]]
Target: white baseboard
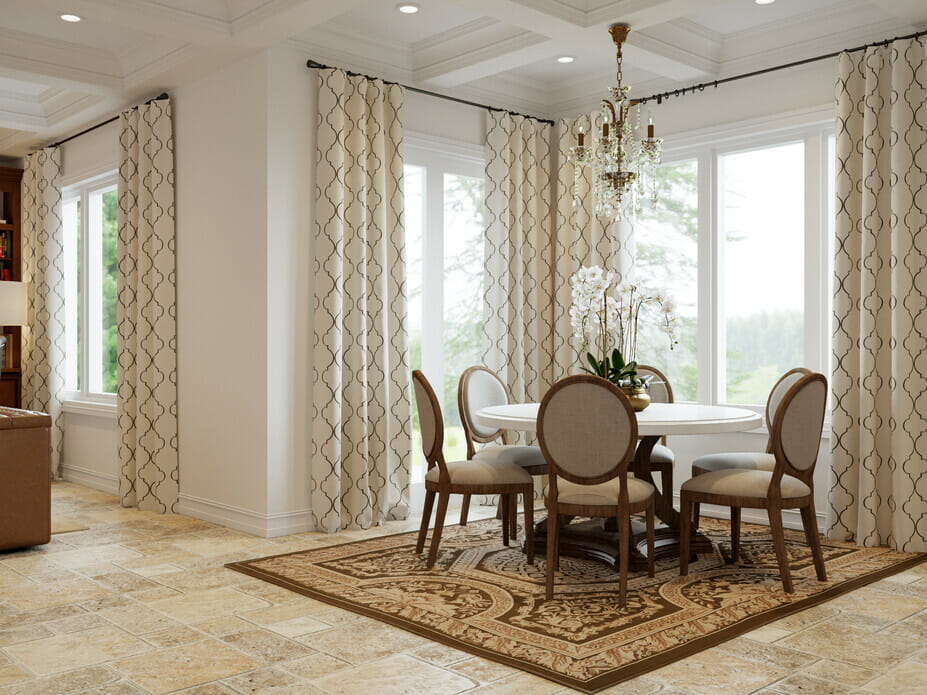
[[791, 518], [104, 482], [263, 525]]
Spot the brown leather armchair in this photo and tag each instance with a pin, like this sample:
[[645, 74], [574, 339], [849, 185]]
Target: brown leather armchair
[[25, 478]]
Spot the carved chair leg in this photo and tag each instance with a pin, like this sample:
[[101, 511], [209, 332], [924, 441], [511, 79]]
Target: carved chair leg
[[529, 524], [782, 554], [810, 522], [685, 531], [624, 553], [443, 499], [696, 513], [426, 517], [651, 513], [464, 510], [553, 539], [506, 502], [735, 534]]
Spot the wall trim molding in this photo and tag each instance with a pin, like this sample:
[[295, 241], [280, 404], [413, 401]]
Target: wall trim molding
[[93, 408], [241, 519], [104, 482]]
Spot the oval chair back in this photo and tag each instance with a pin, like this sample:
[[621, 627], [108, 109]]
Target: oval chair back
[[430, 421], [796, 432], [587, 431], [660, 389], [781, 387], [479, 388]]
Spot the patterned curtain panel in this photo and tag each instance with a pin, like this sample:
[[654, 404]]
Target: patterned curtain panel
[[146, 310], [361, 425], [582, 238], [518, 251], [43, 354], [878, 493]]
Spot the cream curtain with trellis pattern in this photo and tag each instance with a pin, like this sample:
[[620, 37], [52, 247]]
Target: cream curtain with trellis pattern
[[361, 424], [146, 310], [582, 238], [43, 339], [518, 254], [878, 491]]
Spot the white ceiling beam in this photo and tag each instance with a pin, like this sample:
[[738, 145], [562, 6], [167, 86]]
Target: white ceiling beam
[[57, 63], [277, 20], [911, 11]]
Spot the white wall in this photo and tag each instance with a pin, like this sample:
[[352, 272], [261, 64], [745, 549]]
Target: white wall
[[220, 124]]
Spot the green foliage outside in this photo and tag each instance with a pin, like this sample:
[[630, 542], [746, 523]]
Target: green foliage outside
[[109, 292]]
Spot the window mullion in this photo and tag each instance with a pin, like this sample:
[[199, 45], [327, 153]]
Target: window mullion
[[814, 253]]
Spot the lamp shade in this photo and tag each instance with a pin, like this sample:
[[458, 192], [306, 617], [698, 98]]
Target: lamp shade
[[13, 299]]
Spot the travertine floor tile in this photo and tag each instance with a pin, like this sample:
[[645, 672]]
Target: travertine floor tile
[[12, 674], [198, 606], [267, 646], [315, 666], [54, 593], [803, 684], [72, 681], [482, 670], [845, 674], [71, 651], [853, 646], [519, 685], [181, 667], [716, 672], [395, 675], [908, 679]]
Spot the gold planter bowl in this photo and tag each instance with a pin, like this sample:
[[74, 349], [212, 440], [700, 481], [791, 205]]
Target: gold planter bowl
[[638, 395]]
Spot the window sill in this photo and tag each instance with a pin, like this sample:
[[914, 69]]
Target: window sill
[[94, 408]]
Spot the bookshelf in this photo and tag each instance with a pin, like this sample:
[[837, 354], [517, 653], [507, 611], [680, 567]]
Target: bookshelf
[[11, 269]]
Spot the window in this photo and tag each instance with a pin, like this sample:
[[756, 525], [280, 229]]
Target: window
[[739, 239], [89, 220], [444, 265]]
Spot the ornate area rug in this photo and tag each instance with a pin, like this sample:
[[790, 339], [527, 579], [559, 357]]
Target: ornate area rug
[[483, 598]]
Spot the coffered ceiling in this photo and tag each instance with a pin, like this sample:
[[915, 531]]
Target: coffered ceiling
[[58, 77]]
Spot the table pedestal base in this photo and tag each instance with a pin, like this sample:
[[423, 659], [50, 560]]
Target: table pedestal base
[[596, 539]]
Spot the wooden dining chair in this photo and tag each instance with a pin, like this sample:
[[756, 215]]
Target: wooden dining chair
[[480, 388], [795, 437], [662, 458], [588, 433], [476, 477], [750, 460]]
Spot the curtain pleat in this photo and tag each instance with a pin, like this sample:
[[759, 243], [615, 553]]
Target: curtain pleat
[[146, 310], [361, 426], [878, 491], [43, 338], [518, 255]]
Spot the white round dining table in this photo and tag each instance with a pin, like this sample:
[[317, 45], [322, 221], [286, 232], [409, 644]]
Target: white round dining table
[[596, 539], [658, 419]]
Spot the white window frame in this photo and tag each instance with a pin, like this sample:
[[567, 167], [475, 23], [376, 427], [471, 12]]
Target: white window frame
[[438, 156], [86, 399], [813, 128]]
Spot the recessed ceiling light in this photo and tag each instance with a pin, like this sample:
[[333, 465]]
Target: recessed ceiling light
[[407, 8], [70, 18], [565, 59], [764, 2]]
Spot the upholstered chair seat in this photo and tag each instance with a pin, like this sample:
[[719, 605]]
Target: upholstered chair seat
[[602, 494], [662, 456], [524, 456], [745, 483], [481, 472], [746, 460]]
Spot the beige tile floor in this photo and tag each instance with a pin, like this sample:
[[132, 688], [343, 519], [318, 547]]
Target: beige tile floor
[[141, 603]]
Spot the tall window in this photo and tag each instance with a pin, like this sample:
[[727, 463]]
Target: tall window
[[667, 260], [444, 258], [741, 239], [89, 210]]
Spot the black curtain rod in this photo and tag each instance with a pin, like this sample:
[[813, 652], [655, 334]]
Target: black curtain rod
[[313, 64], [163, 95], [714, 83]]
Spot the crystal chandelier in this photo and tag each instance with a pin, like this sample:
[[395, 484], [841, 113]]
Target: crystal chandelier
[[622, 165]]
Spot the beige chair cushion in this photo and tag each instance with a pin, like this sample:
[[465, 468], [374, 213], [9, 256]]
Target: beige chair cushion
[[745, 460], [480, 472], [744, 483], [525, 456], [604, 494], [662, 455]]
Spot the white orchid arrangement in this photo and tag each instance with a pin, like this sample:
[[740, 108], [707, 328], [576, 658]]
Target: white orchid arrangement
[[605, 316]]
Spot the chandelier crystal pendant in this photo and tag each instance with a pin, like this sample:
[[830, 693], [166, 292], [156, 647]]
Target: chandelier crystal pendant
[[621, 164]]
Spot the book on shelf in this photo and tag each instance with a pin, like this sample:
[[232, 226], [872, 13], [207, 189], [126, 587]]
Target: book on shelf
[[5, 274]]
